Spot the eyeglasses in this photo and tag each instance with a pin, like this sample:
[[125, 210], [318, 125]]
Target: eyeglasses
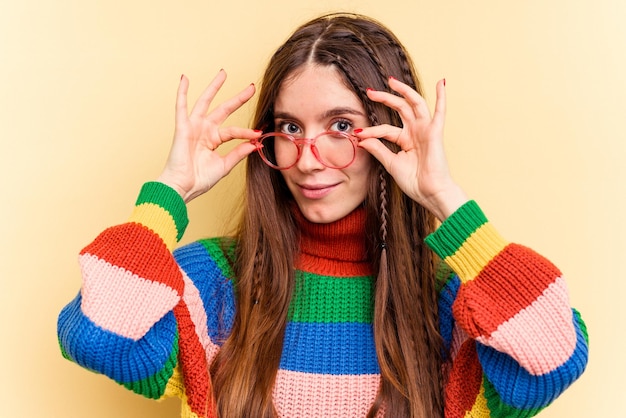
[[334, 149]]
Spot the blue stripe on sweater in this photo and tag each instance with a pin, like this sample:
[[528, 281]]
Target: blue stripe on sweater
[[522, 390], [330, 348], [447, 295], [122, 359], [216, 291]]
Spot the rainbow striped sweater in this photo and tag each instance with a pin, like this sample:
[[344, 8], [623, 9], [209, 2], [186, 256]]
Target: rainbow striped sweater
[[153, 319]]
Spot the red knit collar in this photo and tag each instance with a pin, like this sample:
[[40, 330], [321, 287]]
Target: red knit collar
[[337, 248]]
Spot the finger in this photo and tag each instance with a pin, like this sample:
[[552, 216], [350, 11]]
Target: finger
[[181, 101], [439, 114], [375, 147], [224, 110], [388, 132], [238, 153], [397, 103], [207, 96], [234, 132], [416, 100]]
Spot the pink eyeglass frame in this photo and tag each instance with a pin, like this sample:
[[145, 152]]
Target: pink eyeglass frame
[[300, 142]]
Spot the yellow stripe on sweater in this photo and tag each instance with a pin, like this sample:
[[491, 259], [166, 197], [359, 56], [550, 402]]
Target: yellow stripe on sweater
[[186, 412], [480, 408], [157, 219], [175, 386], [478, 249]]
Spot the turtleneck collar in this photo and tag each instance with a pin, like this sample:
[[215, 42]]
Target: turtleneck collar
[[336, 249]]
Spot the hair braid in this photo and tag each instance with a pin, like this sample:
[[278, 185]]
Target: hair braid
[[383, 208], [357, 87], [405, 64], [383, 41], [373, 55]]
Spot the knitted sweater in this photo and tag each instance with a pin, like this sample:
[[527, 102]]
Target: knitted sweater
[[153, 319]]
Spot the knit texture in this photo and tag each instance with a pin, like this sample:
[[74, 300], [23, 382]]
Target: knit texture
[[154, 320]]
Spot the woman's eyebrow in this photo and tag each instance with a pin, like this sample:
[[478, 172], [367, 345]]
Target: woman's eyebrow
[[342, 111], [336, 111], [283, 115]]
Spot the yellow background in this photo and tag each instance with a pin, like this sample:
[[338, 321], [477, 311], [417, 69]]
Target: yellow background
[[536, 93]]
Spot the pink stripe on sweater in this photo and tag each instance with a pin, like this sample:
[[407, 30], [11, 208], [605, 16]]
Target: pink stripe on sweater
[[459, 336], [541, 337], [299, 394], [192, 299], [120, 301]]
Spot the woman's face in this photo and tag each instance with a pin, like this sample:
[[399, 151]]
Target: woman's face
[[311, 101]]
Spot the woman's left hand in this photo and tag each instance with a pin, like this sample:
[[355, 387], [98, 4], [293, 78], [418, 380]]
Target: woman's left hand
[[420, 167]]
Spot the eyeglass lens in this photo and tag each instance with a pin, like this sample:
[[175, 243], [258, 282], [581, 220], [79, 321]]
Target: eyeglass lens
[[332, 150]]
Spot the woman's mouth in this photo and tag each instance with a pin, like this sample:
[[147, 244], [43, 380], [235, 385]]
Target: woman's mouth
[[316, 191]]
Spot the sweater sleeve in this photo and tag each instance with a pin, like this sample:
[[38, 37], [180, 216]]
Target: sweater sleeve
[[123, 322], [517, 336]]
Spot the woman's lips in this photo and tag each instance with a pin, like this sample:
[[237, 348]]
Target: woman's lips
[[315, 191]]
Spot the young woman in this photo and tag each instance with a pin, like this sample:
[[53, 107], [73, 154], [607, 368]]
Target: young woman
[[361, 281]]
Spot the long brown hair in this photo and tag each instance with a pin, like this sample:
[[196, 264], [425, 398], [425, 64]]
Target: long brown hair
[[407, 338]]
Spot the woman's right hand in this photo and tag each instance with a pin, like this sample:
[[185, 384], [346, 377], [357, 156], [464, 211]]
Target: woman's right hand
[[194, 165]]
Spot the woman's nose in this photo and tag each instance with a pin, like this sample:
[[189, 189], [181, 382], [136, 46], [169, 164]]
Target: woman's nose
[[308, 161]]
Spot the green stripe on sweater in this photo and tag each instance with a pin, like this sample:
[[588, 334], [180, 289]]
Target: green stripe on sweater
[[168, 199], [498, 408], [221, 250], [154, 386], [581, 324], [331, 299], [453, 232]]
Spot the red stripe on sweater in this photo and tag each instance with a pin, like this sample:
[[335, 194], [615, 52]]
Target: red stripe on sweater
[[464, 381], [510, 282], [139, 250], [337, 268], [194, 366]]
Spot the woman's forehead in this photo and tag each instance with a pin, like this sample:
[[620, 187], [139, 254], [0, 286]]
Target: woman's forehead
[[317, 87]]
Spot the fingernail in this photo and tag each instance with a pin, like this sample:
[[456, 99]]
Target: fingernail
[[391, 77], [358, 130], [181, 76], [444, 82], [369, 89], [258, 131], [252, 84]]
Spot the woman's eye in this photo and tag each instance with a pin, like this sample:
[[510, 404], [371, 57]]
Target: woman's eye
[[341, 126], [289, 128]]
